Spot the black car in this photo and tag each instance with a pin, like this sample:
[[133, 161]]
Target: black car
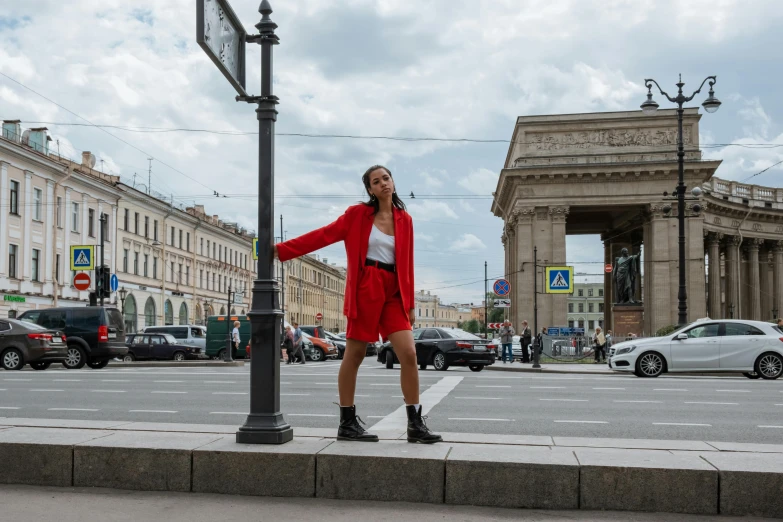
[[24, 343], [444, 347], [339, 342], [158, 347], [94, 334]]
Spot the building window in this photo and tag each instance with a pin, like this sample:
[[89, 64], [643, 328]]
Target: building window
[[187, 275], [570, 323], [600, 292], [146, 263], [14, 203], [581, 293], [91, 222], [125, 261], [213, 250], [600, 308], [173, 233], [570, 308], [37, 200], [213, 280], [590, 307], [201, 278], [36, 264], [590, 324], [201, 246], [581, 308], [59, 211], [154, 267], [126, 220], [12, 260], [136, 263], [57, 268], [155, 230], [601, 323], [187, 242], [136, 223], [589, 292], [146, 226], [179, 278], [581, 323], [74, 217], [180, 239]]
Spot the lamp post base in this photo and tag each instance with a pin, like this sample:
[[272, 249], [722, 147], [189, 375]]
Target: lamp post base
[[265, 429]]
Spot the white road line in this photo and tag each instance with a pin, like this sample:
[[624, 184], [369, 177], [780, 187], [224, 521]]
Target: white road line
[[581, 422], [479, 419], [325, 383], [565, 400], [651, 402], [734, 391], [228, 413], [720, 403], [479, 398], [3, 389], [169, 381], [503, 386], [229, 393], [355, 395], [384, 384], [9, 407], [375, 416], [19, 380], [72, 409], [108, 391], [310, 415], [670, 389], [779, 405], [547, 387], [176, 392], [220, 382], [608, 388], [774, 427], [151, 411], [680, 424], [43, 390], [398, 419]]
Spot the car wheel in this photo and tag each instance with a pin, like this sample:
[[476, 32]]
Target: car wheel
[[317, 355], [13, 359], [769, 365], [75, 358], [179, 356], [97, 365], [476, 367], [751, 375], [128, 357], [40, 365], [221, 355], [389, 359], [422, 367], [439, 362], [649, 364]]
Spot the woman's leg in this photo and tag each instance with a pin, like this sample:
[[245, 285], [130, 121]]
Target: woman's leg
[[405, 350], [355, 352]]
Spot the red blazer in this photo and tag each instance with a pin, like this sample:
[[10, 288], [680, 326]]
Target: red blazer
[[354, 229]]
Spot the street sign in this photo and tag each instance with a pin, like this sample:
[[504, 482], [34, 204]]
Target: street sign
[[82, 257], [494, 326], [608, 269], [238, 298], [501, 287], [559, 280], [115, 282], [319, 316], [255, 248], [222, 36], [553, 331], [502, 303], [81, 281]]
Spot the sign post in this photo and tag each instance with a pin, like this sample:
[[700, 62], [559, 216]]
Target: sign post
[[220, 33]]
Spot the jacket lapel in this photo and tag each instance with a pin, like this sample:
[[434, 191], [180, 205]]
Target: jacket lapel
[[399, 234]]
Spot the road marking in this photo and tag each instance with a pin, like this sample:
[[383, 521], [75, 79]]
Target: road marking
[[565, 400], [72, 409], [608, 388], [178, 392], [220, 382], [734, 391], [151, 411], [108, 391], [310, 415], [325, 383], [375, 416], [503, 386], [670, 389], [547, 387], [303, 394], [169, 381], [44, 390], [228, 413], [721, 403], [774, 427], [652, 402], [384, 384], [479, 419], [221, 393], [398, 419], [581, 422], [9, 407], [680, 424], [479, 398], [355, 395]]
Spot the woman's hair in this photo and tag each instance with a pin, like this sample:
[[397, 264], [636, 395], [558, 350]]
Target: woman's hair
[[373, 202], [237, 323]]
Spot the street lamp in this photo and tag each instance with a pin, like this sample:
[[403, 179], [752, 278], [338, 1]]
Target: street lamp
[[123, 294], [731, 311], [650, 106]]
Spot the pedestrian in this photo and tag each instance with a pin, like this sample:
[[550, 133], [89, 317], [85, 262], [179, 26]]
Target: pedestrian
[[298, 352], [608, 342], [235, 339], [288, 344], [526, 338], [506, 340], [540, 340], [599, 344], [379, 295]]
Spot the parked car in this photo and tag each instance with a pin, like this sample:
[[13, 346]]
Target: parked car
[[445, 347], [94, 334], [194, 335], [162, 347], [338, 342], [218, 332], [26, 343], [754, 348], [322, 348]]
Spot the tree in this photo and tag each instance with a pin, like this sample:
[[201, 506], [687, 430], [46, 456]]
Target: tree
[[495, 314], [471, 326]]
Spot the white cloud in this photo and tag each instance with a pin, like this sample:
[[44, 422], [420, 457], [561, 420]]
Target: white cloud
[[467, 242], [431, 210], [423, 237], [481, 181]]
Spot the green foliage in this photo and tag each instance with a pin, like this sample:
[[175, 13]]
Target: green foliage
[[471, 326], [496, 315], [666, 330]]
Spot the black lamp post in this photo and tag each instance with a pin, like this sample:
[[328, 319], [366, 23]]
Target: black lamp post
[[711, 104], [731, 311]]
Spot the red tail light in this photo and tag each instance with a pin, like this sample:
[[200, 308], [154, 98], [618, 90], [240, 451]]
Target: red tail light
[[62, 337], [40, 336], [464, 346], [103, 333]]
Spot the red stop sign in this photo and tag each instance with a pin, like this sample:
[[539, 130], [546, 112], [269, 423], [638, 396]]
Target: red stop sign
[[608, 269], [82, 281], [319, 316]]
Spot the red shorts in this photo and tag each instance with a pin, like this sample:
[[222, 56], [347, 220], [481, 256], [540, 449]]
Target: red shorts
[[379, 307]]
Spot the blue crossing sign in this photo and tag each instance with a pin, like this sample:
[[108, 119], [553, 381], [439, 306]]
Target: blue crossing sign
[[501, 288], [82, 257], [559, 280], [114, 282]]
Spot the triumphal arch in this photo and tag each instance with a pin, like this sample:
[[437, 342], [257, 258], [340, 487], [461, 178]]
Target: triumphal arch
[[606, 174]]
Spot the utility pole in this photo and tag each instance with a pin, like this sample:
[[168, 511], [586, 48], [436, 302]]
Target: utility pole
[[535, 308], [486, 315], [282, 274], [229, 357], [149, 175], [101, 276]]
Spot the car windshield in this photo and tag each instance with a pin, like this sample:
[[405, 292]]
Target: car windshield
[[170, 339], [456, 333], [26, 324], [417, 333]]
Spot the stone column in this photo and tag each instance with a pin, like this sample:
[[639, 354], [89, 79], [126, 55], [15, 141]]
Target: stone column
[[559, 310], [48, 252], [765, 280], [523, 246], [753, 279], [26, 209], [777, 275], [67, 239], [4, 194], [660, 277], [732, 277], [713, 244]]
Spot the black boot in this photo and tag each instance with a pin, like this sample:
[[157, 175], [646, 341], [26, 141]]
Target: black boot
[[417, 429], [351, 426]]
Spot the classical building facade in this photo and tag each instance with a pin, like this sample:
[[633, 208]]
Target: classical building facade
[[430, 312], [606, 173], [586, 306], [313, 286]]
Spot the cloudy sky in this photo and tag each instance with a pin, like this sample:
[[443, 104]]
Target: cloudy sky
[[431, 69]]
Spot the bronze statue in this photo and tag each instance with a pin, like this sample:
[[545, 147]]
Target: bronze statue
[[625, 270]]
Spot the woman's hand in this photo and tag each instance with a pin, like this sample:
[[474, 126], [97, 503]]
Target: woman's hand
[[412, 316], [275, 247]]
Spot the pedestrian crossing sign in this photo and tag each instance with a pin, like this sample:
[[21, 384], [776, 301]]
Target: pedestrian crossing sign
[[559, 280], [82, 257], [255, 249]]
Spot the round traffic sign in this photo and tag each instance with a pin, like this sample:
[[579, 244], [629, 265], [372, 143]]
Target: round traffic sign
[[501, 287], [319, 316], [82, 281], [114, 282], [608, 269]]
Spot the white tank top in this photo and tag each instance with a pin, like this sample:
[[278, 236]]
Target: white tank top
[[381, 246]]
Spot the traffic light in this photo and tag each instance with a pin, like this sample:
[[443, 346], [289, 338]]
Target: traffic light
[[103, 281]]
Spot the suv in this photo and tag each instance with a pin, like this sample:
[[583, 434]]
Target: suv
[[192, 335], [94, 334]]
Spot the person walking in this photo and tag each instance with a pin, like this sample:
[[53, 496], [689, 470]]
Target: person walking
[[379, 295], [608, 345], [235, 339], [540, 340], [298, 352], [526, 338], [599, 345], [288, 344], [506, 340]]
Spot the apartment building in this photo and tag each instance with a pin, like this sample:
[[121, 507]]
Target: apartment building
[[313, 286]]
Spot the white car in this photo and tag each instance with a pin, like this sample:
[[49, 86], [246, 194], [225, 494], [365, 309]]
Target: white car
[[726, 345]]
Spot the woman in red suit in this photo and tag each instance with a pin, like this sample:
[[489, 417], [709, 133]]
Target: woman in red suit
[[379, 294]]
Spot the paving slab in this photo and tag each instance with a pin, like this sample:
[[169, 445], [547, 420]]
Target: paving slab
[[385, 470], [484, 438], [331, 433], [178, 427], [64, 423], [286, 470], [138, 460], [40, 456], [749, 447], [514, 476], [646, 480], [685, 445]]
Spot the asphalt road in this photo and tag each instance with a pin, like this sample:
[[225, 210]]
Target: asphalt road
[[729, 409]]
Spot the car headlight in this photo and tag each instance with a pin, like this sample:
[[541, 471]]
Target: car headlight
[[628, 349]]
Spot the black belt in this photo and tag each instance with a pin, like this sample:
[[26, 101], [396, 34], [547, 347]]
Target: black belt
[[382, 266]]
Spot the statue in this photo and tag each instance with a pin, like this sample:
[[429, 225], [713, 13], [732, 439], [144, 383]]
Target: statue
[[625, 270]]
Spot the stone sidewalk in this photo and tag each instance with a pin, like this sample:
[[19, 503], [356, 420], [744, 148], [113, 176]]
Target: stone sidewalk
[[510, 471]]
